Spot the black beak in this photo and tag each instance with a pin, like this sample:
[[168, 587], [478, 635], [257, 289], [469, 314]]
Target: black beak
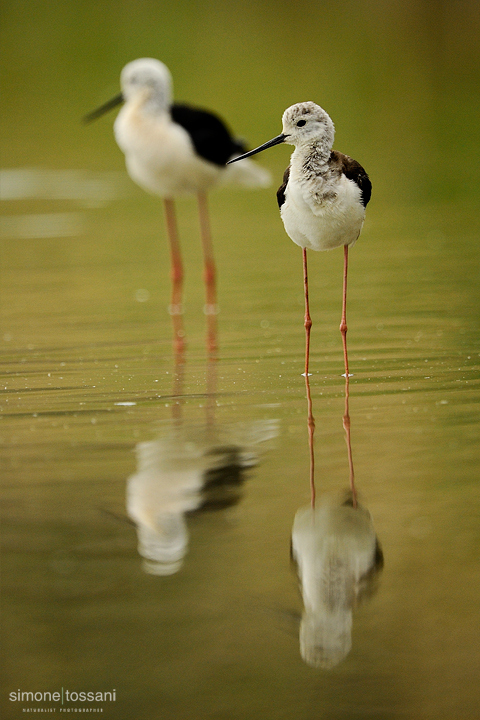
[[276, 141], [117, 100]]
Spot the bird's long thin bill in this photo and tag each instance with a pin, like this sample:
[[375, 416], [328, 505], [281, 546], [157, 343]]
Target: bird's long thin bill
[[109, 105], [276, 141]]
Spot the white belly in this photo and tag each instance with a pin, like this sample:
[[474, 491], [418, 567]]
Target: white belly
[[160, 156], [325, 225]]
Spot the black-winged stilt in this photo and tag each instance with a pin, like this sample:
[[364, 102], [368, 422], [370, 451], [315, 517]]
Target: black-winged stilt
[[171, 150], [323, 196]]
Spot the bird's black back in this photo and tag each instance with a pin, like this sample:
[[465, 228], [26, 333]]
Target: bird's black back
[[283, 187], [211, 138], [353, 171]]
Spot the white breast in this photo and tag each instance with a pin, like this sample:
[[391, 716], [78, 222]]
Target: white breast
[[326, 223], [160, 156]]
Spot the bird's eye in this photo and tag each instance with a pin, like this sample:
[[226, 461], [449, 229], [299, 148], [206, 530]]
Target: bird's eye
[[301, 123]]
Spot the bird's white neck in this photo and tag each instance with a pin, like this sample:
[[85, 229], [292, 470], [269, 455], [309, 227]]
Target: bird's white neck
[[150, 101], [311, 160], [154, 105], [309, 168]]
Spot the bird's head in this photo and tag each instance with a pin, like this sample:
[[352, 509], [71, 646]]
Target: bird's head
[[146, 79], [306, 123], [303, 124], [150, 77]]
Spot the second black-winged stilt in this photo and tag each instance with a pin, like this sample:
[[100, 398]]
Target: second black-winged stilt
[[172, 150]]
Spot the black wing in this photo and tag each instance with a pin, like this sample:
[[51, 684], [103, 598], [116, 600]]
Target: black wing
[[354, 171], [283, 187], [211, 138]]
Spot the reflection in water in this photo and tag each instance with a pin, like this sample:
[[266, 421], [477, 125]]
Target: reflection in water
[[84, 188], [311, 432], [88, 189], [337, 554], [189, 468], [346, 427], [176, 475]]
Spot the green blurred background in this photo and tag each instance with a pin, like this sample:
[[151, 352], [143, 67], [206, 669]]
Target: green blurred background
[[400, 79]]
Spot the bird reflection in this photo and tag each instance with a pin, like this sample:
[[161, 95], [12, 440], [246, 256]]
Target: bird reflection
[[190, 467], [175, 476], [338, 557]]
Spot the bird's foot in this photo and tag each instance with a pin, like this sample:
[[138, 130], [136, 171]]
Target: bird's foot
[[211, 309], [175, 309]]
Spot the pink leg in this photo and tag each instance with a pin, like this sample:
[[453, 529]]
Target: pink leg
[[311, 431], [177, 390], [343, 324], [346, 427], [175, 309], [211, 308], [310, 418], [308, 320], [346, 417], [211, 399]]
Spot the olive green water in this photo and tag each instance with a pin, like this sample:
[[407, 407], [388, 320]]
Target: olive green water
[[89, 372]]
